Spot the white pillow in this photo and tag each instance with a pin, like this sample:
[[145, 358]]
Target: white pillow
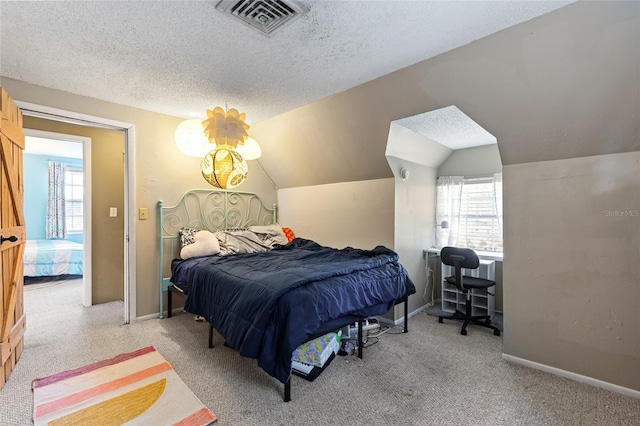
[[205, 244]]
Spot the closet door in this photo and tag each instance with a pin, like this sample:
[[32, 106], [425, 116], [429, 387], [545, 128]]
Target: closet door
[[12, 236]]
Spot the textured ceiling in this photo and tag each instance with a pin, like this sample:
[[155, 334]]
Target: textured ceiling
[[182, 57], [450, 127]]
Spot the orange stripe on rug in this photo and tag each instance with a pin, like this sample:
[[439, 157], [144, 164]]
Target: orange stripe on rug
[[78, 397], [88, 368], [115, 411], [202, 416]]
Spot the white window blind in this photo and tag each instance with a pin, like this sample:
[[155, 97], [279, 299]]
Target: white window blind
[[479, 224], [73, 193], [469, 212]]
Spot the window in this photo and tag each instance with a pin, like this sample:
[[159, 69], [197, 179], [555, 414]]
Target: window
[[73, 192], [472, 210], [479, 226]]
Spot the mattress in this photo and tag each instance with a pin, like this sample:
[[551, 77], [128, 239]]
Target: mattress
[[44, 258]]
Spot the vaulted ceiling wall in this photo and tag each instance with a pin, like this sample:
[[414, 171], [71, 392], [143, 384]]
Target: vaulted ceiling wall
[[563, 85]]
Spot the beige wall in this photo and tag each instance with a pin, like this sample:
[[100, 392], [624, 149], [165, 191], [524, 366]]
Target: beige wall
[[107, 189], [161, 172], [571, 270], [350, 214], [549, 88]]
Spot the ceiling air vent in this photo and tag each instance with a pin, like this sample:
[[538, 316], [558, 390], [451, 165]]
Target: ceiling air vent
[[264, 15]]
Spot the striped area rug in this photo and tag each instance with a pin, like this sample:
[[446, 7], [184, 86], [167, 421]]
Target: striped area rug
[[137, 388]]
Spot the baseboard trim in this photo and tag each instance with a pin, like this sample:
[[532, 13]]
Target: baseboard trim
[[573, 376], [156, 315], [401, 319], [147, 317]]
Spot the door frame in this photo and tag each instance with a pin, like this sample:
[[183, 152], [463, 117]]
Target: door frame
[[86, 204], [56, 114]]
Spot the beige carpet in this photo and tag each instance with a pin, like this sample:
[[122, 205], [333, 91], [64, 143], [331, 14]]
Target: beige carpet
[[429, 376]]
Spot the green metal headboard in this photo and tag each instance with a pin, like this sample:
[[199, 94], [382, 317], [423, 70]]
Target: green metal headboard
[[208, 209]]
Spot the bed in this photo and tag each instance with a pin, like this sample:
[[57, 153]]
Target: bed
[[265, 304], [52, 258]]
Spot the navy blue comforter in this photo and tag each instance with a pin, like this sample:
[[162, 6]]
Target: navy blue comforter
[[267, 304]]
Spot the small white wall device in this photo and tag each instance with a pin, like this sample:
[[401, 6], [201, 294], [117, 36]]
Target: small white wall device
[[404, 174]]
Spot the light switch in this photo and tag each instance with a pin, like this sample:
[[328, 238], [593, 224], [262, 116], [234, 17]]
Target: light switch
[[113, 212], [143, 213]]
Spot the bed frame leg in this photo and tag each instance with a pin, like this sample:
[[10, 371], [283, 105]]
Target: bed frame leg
[[360, 325], [406, 314], [210, 335], [287, 390]]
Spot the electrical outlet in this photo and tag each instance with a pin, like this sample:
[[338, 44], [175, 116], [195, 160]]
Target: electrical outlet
[[143, 213], [113, 212]]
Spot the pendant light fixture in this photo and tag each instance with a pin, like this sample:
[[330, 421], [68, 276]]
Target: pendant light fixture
[[191, 139], [223, 143]]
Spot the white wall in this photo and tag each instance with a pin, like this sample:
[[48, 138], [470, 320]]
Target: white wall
[[478, 161], [350, 214], [415, 200], [390, 212], [571, 266]]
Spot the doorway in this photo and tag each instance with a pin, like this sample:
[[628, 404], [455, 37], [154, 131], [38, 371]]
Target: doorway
[[127, 242], [73, 152]]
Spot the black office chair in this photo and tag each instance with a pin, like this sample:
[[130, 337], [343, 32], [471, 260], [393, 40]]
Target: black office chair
[[466, 258]]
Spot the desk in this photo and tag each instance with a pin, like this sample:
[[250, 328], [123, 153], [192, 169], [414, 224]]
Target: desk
[[490, 255], [452, 299]]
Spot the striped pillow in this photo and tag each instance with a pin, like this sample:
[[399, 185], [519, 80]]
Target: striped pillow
[[187, 236]]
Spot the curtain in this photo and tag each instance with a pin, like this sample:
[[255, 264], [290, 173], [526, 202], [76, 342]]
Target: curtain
[[497, 194], [56, 221], [448, 201]]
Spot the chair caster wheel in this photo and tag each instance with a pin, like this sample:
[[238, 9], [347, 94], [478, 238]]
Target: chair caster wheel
[[496, 332], [463, 332], [440, 320]]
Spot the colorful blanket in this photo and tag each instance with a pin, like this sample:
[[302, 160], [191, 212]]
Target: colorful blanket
[[52, 257]]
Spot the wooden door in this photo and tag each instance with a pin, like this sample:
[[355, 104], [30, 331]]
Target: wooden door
[[12, 240]]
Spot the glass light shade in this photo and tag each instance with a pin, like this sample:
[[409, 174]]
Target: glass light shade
[[250, 150], [224, 168], [190, 138]]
